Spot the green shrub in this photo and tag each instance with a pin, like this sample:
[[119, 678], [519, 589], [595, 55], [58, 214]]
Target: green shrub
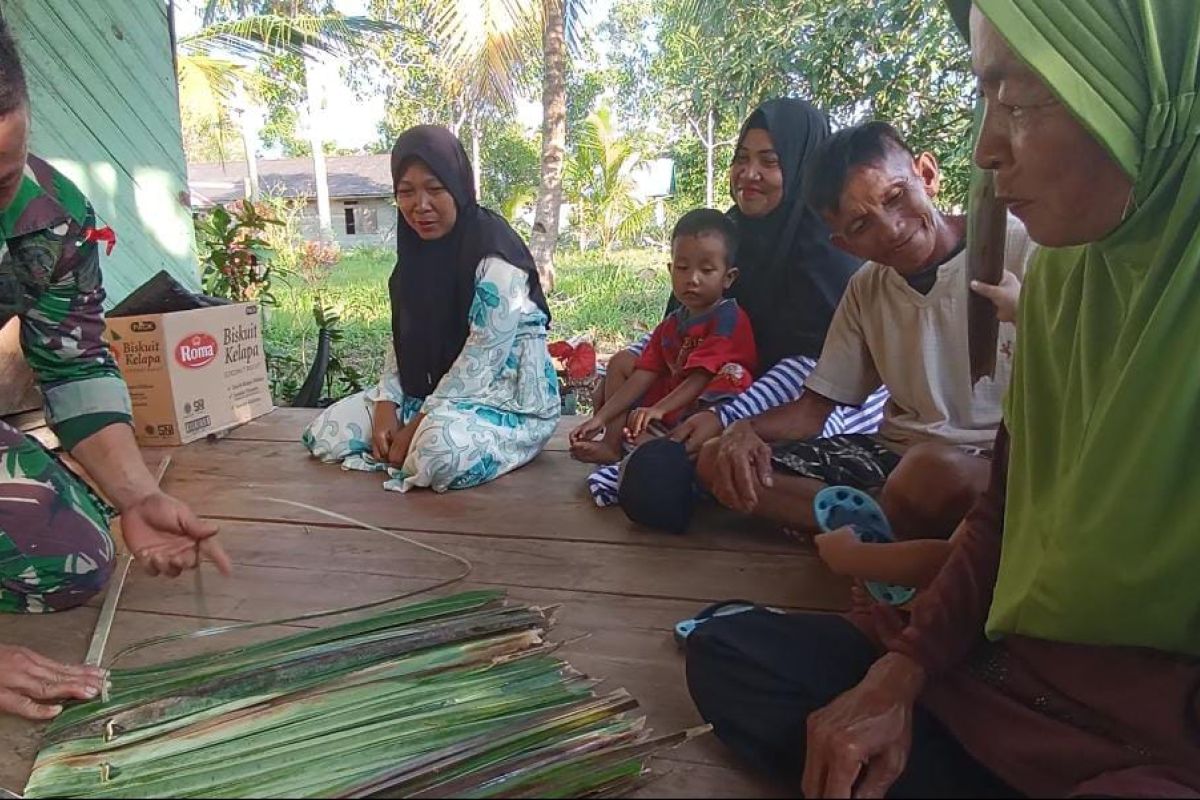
[[614, 297], [236, 257]]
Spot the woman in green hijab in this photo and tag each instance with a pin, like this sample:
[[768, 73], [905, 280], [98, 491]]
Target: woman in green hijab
[[1058, 652]]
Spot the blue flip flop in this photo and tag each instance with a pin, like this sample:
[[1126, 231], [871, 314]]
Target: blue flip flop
[[726, 608], [838, 506]]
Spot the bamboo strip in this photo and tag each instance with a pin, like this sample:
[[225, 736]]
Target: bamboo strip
[[467, 568], [112, 597]]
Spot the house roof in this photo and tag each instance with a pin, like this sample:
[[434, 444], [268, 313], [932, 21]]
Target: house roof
[[349, 176]]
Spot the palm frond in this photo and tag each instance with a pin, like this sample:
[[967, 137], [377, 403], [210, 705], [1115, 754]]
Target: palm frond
[[515, 200], [487, 44], [213, 9], [635, 222], [600, 180], [574, 12], [207, 84], [270, 34]]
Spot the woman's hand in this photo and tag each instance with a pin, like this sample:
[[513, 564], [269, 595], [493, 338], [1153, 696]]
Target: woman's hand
[[402, 442], [1004, 295], [858, 745], [743, 467], [640, 420], [697, 429], [33, 686], [166, 537], [384, 426]]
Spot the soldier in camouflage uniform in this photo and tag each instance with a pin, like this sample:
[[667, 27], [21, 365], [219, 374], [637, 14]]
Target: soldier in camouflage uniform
[[55, 547]]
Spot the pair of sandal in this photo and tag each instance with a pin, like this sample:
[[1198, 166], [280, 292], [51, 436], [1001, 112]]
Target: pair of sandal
[[835, 507]]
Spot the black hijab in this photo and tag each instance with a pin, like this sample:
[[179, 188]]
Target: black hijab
[[790, 276], [433, 284]]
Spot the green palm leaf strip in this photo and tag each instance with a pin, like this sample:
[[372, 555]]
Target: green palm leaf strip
[[503, 750], [414, 612], [132, 708], [458, 696]]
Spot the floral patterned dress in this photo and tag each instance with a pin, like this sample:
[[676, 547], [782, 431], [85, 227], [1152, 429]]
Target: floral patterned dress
[[492, 412]]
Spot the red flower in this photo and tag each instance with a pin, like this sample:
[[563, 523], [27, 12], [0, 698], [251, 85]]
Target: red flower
[[582, 363], [579, 360]]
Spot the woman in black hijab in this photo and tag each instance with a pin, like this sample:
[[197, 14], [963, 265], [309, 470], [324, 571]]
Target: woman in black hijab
[[790, 279], [469, 392]]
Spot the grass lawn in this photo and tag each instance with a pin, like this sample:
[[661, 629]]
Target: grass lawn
[[613, 297]]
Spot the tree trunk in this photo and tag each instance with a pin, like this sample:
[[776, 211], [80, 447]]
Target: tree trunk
[[251, 162], [320, 173], [240, 115], [476, 160], [710, 145], [554, 141], [708, 138], [459, 119]]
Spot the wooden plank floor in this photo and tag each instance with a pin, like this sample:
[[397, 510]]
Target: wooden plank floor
[[534, 532]]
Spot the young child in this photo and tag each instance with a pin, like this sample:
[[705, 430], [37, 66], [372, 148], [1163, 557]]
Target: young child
[[701, 353]]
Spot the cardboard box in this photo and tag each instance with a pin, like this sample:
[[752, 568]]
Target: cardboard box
[[192, 373]]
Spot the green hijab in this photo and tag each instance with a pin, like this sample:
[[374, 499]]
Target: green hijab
[[1102, 527]]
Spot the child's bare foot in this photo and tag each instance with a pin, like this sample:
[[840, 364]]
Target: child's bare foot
[[861, 601], [600, 452]]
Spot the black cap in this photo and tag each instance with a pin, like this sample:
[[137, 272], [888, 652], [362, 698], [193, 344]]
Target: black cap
[[657, 486]]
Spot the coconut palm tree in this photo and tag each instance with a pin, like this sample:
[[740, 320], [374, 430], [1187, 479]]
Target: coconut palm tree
[[489, 44], [484, 47], [600, 179], [212, 67], [544, 238], [232, 9]]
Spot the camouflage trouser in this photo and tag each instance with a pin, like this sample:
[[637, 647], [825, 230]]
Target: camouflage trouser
[[55, 548]]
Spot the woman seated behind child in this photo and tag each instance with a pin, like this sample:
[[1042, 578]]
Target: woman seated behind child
[[701, 354]]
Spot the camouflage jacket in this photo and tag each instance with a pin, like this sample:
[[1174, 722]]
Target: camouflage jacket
[[50, 279]]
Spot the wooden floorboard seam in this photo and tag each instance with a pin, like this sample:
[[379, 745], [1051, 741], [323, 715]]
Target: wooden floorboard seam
[[699, 601], [801, 550]]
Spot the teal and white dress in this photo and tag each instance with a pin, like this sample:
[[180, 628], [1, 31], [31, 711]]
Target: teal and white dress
[[492, 412]]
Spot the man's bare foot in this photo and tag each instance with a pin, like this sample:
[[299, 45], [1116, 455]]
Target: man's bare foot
[[599, 452]]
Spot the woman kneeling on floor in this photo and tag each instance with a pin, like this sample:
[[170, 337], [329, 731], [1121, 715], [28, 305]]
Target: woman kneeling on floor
[[469, 392]]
